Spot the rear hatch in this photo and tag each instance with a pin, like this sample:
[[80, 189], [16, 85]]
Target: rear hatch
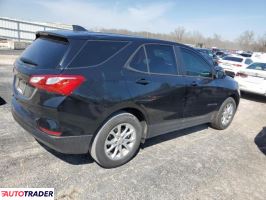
[[231, 62], [40, 86], [44, 56]]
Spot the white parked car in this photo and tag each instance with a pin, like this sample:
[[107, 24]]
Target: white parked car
[[253, 78], [258, 56], [233, 63]]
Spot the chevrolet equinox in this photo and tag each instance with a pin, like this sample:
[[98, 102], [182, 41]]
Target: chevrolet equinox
[[104, 94]]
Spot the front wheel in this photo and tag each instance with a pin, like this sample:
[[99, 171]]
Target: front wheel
[[117, 141], [223, 118]]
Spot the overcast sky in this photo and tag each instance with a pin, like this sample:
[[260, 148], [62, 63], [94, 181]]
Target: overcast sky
[[226, 18]]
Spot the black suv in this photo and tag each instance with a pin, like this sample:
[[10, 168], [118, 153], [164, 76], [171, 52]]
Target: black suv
[[103, 94]]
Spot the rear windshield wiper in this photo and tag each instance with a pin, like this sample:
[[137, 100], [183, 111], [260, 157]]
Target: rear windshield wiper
[[27, 61]]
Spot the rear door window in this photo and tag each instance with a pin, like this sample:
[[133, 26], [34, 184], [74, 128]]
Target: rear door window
[[194, 65], [45, 53], [139, 61], [96, 52], [161, 59]]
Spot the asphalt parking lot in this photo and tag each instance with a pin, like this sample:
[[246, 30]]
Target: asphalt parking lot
[[196, 163]]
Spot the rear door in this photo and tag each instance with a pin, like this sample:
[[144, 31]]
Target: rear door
[[154, 83], [169, 94]]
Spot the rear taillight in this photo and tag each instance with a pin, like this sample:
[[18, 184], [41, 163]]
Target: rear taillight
[[242, 75], [61, 84], [237, 65], [50, 132]]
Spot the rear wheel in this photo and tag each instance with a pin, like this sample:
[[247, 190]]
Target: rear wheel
[[223, 118], [117, 141]]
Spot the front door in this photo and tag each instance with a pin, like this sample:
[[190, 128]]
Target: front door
[[202, 96]]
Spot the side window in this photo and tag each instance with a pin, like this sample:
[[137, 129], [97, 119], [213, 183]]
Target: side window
[[248, 61], [194, 65], [139, 61], [257, 66], [96, 52], [161, 59]]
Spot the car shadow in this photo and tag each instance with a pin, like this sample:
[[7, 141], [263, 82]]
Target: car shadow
[[2, 101], [172, 135], [253, 97], [260, 140], [73, 159]]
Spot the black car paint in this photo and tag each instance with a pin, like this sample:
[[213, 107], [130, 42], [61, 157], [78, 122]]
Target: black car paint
[[165, 102]]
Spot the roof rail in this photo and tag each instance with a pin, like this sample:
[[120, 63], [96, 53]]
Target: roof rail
[[78, 28]]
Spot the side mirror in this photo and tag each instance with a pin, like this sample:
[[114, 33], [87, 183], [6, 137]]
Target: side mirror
[[219, 73]]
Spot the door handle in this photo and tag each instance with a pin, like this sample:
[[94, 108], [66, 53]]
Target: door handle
[[194, 84], [143, 81]]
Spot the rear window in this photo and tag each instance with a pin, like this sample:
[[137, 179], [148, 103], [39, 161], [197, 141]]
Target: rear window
[[96, 52], [139, 61], [44, 53], [248, 61], [235, 59], [219, 53]]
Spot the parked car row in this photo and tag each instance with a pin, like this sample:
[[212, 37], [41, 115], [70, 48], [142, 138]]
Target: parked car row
[[253, 78], [247, 68], [209, 55], [233, 63]]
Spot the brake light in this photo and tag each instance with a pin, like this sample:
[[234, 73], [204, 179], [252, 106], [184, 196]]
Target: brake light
[[61, 84], [237, 65], [49, 132], [242, 75]]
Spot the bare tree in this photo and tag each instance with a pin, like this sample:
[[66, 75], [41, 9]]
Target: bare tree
[[216, 37], [246, 39], [179, 33], [261, 43]]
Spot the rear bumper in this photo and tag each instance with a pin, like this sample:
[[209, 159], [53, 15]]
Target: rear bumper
[[64, 144]]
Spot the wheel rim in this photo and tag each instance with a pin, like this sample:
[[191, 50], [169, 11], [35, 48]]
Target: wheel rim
[[227, 114], [120, 141]]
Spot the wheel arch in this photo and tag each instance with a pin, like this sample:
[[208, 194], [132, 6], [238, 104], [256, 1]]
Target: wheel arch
[[236, 98], [137, 112]]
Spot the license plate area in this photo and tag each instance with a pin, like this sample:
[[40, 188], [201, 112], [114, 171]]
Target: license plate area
[[20, 86], [23, 88]]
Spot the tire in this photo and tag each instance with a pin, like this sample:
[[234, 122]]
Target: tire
[[217, 121], [109, 145]]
